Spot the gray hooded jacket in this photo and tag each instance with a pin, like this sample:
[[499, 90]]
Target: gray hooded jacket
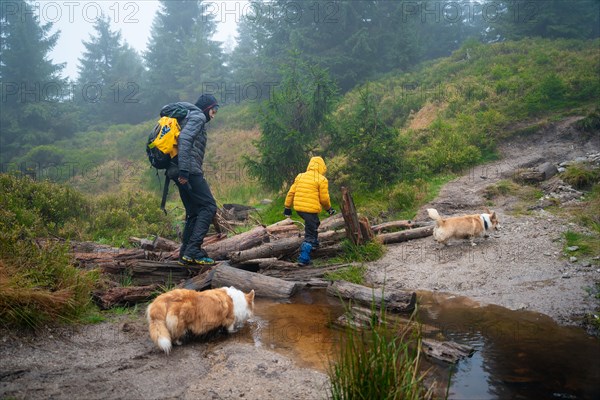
[[191, 144]]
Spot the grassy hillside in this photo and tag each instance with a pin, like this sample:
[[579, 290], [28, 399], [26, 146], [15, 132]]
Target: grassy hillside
[[447, 115], [450, 113]]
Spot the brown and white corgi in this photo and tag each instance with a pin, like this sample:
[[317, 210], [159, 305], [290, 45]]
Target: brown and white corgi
[[462, 227], [174, 313]]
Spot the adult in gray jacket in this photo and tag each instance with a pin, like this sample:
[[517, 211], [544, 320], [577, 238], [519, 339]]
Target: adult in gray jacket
[[199, 203]]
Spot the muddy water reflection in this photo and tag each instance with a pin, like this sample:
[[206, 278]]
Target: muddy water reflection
[[519, 354]]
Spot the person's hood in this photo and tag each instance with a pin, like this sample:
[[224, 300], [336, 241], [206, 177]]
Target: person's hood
[[317, 164]]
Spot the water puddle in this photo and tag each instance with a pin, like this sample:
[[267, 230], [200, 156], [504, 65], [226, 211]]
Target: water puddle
[[519, 354]]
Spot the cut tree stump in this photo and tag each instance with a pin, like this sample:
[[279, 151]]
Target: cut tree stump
[[353, 226], [403, 236], [243, 241], [264, 286], [395, 300]]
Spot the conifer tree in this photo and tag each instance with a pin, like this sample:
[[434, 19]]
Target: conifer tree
[[110, 74], [181, 57], [31, 83]]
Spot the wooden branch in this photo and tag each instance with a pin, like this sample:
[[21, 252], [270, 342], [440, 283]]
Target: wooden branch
[[146, 272], [403, 236], [124, 295], [293, 272], [243, 241], [393, 300], [402, 224], [158, 244], [274, 249], [283, 231], [200, 282], [264, 286], [353, 230], [270, 263], [445, 351], [332, 223]]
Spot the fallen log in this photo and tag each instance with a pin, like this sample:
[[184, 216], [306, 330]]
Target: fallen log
[[403, 236], [392, 225], [243, 241], [445, 351], [157, 244], [200, 282], [329, 237], [450, 352], [264, 286], [293, 272], [124, 295], [332, 223], [270, 263], [324, 251], [277, 248], [394, 300], [147, 272], [279, 232]]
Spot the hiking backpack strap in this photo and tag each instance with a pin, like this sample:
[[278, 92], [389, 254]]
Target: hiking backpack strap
[[165, 193]]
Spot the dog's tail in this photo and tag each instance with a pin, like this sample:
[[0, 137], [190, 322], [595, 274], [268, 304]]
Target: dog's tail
[[157, 315], [433, 214]]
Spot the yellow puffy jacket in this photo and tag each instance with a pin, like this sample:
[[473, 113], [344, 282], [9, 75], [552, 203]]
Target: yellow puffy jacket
[[310, 190]]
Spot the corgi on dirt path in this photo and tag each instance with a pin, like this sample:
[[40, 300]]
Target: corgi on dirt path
[[462, 227]]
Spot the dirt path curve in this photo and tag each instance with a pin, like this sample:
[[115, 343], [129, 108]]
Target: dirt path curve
[[521, 266]]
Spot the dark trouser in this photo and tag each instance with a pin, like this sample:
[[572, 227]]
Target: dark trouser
[[200, 209], [311, 224]]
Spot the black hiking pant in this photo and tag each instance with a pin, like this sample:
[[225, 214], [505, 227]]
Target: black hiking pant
[[200, 209], [311, 224]]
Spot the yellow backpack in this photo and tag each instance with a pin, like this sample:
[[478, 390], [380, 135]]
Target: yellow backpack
[[164, 139]]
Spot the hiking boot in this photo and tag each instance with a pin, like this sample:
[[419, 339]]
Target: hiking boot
[[197, 260], [305, 249]]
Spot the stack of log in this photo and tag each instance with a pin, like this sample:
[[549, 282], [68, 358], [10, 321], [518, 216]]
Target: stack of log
[[263, 249], [256, 260]]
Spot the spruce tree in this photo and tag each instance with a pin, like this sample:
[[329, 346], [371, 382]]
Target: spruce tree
[[181, 57], [32, 87], [110, 74]]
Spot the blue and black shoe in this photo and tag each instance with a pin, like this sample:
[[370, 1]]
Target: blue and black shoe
[[304, 258], [197, 260]]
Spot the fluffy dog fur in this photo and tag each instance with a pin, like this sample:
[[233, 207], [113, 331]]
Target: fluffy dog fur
[[462, 227], [174, 313]]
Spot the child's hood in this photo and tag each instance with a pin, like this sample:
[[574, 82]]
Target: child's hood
[[317, 164]]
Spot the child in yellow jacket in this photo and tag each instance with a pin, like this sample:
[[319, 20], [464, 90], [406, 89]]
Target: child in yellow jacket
[[309, 195]]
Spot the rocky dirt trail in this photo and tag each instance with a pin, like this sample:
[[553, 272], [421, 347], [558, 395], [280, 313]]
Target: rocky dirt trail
[[117, 360], [519, 267], [522, 265]]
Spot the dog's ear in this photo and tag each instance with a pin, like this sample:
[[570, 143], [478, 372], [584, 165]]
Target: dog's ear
[[487, 210], [493, 216], [250, 296]]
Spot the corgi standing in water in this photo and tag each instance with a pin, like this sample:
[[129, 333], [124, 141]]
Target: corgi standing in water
[[174, 313], [462, 227]]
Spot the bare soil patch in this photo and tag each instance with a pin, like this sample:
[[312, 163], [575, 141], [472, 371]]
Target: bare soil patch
[[521, 266]]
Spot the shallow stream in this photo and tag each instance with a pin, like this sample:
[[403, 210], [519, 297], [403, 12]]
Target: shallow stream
[[519, 354]]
